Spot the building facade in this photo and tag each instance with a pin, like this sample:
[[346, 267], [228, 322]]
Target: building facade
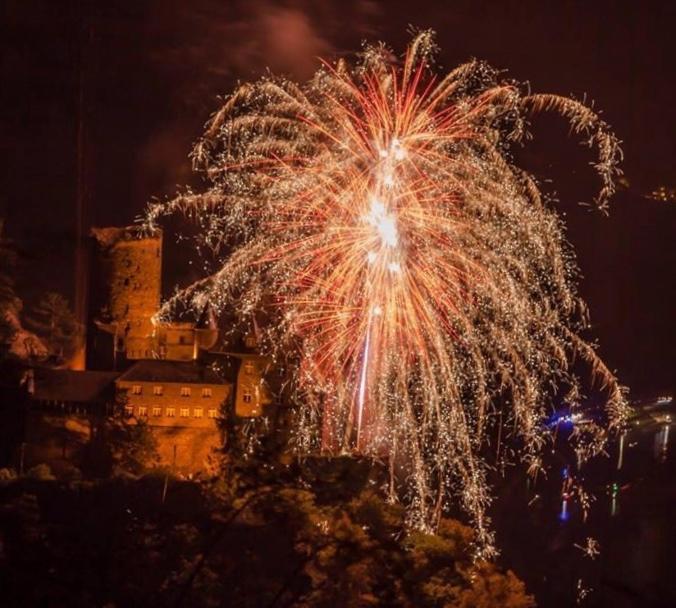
[[183, 403]]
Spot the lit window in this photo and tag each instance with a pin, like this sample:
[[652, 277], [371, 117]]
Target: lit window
[[198, 412], [142, 410], [158, 390], [211, 413], [128, 410], [250, 341], [136, 389], [247, 396], [171, 412], [185, 391], [157, 411], [249, 367], [206, 392], [185, 412]]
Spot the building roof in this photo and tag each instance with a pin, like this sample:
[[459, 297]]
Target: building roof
[[178, 372], [72, 386]]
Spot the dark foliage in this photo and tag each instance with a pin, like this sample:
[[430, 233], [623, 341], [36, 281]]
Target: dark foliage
[[53, 320], [261, 534]]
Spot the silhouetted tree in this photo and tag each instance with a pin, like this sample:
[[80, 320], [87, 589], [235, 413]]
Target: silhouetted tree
[[306, 536], [53, 320]]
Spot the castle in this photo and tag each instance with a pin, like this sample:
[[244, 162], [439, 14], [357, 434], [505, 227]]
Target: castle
[[181, 378]]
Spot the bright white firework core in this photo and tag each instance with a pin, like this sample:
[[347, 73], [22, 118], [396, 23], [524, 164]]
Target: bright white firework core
[[383, 222]]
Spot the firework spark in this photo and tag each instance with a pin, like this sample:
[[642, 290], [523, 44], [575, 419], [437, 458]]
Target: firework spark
[[375, 217]]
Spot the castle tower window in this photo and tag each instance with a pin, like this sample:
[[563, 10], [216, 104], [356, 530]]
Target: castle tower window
[[247, 397], [136, 389], [250, 341], [142, 411], [206, 392], [249, 367], [171, 412], [128, 410], [185, 412], [157, 411], [197, 412], [158, 390], [185, 391], [211, 413]]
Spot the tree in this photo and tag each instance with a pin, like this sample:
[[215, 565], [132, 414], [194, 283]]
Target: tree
[[53, 320], [10, 304], [132, 444], [290, 537], [129, 441]]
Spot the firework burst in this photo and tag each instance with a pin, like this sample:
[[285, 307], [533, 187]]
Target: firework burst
[[411, 277]]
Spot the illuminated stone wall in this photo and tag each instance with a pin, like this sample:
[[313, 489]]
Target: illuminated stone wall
[[130, 265], [186, 425]]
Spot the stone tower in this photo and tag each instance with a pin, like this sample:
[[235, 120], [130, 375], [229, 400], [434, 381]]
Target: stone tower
[[127, 283]]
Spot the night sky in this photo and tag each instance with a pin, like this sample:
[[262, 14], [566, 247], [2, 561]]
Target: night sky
[[150, 72]]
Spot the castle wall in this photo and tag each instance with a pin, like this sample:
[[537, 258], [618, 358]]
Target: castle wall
[[185, 426], [187, 450], [252, 393], [126, 279]]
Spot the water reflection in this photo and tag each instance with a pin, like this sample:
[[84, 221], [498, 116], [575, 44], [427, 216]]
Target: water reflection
[[631, 498], [662, 443], [614, 492], [620, 457]]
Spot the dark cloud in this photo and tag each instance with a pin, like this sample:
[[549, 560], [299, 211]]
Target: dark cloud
[[211, 44], [201, 50]]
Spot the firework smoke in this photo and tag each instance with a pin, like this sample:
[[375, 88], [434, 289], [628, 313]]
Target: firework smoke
[[410, 278]]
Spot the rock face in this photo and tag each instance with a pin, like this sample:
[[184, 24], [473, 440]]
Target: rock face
[[25, 345]]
